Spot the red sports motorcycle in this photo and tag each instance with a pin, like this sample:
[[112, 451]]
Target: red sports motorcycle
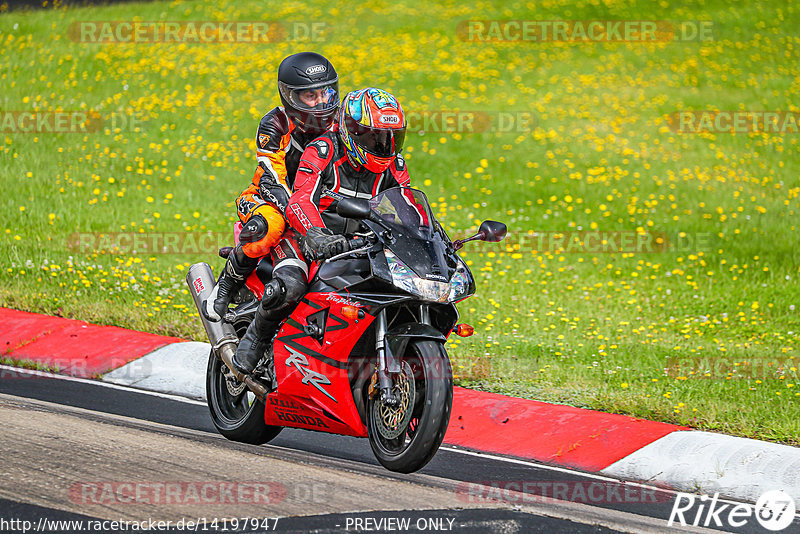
[[363, 353]]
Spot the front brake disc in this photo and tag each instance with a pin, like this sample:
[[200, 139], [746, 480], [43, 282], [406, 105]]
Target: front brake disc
[[391, 421]]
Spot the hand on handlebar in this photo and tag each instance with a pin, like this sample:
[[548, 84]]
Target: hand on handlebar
[[320, 243], [351, 245], [354, 243]]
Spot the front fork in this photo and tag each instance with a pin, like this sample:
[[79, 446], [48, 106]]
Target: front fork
[[388, 362]]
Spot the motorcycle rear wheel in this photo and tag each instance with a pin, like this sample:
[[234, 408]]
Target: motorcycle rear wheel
[[235, 411], [421, 436]]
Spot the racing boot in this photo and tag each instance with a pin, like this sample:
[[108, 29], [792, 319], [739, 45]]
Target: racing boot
[[236, 270], [257, 340], [258, 337]]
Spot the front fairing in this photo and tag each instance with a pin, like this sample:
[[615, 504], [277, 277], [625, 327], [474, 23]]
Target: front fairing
[[414, 257], [416, 254]]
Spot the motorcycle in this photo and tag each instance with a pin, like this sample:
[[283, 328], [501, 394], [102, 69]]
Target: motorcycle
[[363, 353]]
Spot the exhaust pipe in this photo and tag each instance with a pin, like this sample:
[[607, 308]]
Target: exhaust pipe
[[221, 335]]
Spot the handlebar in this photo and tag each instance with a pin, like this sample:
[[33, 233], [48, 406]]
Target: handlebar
[[352, 244], [356, 243]]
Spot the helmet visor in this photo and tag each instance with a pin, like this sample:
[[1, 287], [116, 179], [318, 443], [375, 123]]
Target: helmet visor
[[320, 97], [381, 142]]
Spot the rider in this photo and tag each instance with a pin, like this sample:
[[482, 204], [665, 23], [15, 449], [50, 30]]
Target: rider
[[358, 157], [309, 90]]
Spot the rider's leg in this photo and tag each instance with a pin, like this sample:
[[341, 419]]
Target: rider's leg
[[262, 229], [281, 295]]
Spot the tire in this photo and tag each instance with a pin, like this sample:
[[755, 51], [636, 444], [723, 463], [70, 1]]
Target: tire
[[419, 437], [236, 411]]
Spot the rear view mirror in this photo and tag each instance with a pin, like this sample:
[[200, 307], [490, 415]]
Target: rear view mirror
[[492, 231], [354, 208]]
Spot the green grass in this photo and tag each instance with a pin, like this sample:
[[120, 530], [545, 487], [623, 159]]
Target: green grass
[[598, 330]]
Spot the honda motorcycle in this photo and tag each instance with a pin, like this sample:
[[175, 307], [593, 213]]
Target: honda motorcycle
[[363, 354]]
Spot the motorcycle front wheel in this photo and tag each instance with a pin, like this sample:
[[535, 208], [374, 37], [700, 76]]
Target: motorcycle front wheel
[[405, 438], [235, 410]]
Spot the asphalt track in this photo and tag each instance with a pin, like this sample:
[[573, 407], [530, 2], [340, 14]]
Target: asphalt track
[[59, 432]]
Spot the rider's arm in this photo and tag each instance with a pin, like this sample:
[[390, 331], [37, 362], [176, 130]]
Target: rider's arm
[[303, 211], [272, 142]]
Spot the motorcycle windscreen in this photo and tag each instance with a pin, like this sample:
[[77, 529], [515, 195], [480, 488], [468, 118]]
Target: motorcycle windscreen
[[427, 258], [406, 208], [419, 242]]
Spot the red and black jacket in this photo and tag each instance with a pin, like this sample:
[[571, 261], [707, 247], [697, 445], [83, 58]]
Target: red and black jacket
[[325, 174]]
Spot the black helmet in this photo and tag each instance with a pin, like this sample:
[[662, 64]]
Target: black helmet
[[309, 89]]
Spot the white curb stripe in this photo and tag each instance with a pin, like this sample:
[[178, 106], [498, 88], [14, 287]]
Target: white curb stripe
[[736, 467], [177, 369]]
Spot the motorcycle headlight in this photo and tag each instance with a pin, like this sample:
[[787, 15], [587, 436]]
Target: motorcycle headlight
[[461, 285], [406, 279]]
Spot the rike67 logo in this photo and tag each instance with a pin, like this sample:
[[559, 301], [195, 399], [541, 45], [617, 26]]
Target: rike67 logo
[[774, 510]]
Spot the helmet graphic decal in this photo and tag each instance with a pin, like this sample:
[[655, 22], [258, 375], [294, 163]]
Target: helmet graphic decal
[[383, 99]]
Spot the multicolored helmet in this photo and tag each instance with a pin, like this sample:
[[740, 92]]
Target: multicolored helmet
[[372, 127]]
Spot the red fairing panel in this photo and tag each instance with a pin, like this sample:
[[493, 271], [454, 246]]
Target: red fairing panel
[[255, 285], [313, 384]]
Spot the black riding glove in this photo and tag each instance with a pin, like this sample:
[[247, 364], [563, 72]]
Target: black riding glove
[[320, 243]]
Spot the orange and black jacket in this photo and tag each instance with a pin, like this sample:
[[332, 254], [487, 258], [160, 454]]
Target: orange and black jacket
[[279, 147]]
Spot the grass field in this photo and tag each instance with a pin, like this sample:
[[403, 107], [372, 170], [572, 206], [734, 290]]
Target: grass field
[[703, 333]]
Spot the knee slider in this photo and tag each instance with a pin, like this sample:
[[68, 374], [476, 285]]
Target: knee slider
[[254, 230], [292, 283], [274, 293], [258, 236], [262, 231]]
